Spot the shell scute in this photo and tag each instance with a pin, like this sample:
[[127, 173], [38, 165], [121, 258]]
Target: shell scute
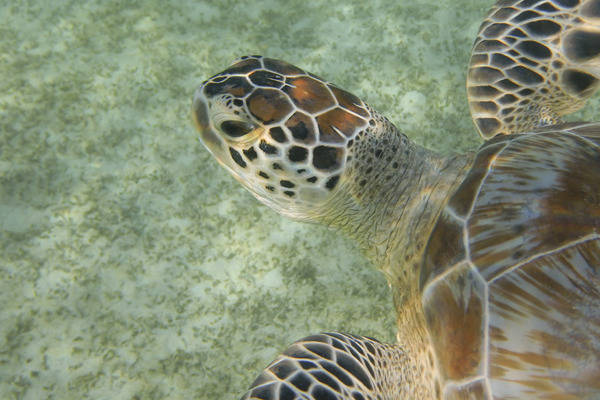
[[455, 310], [337, 125], [527, 220], [309, 94], [445, 248], [349, 101], [541, 193], [462, 200], [269, 105], [281, 67], [467, 391], [536, 334]]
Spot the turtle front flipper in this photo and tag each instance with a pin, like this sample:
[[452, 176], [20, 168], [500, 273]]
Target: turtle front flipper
[[532, 63], [337, 366]]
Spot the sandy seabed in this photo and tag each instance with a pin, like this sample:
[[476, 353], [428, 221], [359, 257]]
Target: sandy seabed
[[131, 265]]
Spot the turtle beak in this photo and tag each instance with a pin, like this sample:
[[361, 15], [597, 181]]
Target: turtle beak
[[199, 114], [199, 111], [208, 135]]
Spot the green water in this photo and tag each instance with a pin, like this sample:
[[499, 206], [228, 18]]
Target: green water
[[131, 265]]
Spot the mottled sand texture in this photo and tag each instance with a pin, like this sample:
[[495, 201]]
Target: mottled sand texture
[[131, 265]]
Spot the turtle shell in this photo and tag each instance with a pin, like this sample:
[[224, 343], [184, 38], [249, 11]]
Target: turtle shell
[[510, 280]]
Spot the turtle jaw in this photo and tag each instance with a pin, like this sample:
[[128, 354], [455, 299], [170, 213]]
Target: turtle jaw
[[213, 140], [208, 136]]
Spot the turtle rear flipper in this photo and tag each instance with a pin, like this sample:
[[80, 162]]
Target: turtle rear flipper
[[532, 63]]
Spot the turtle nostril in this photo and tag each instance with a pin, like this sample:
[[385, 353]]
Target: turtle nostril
[[236, 129]]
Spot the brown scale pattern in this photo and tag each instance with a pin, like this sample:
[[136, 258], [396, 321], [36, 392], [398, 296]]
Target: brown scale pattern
[[302, 127], [349, 101], [336, 125], [269, 105], [309, 94], [281, 67]]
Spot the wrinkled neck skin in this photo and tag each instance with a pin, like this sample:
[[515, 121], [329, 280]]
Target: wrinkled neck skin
[[391, 216], [388, 203]]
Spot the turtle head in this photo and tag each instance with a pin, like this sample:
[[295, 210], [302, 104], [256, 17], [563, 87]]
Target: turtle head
[[285, 134]]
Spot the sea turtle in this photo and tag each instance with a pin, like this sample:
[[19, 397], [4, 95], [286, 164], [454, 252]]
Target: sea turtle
[[493, 256]]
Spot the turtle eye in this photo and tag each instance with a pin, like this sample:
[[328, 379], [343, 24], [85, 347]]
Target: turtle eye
[[236, 129]]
